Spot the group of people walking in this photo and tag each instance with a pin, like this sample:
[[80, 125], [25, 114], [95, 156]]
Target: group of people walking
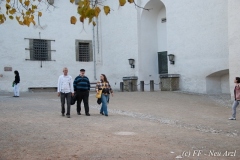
[[80, 87]]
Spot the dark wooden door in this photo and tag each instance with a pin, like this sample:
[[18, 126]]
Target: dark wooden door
[[162, 62]]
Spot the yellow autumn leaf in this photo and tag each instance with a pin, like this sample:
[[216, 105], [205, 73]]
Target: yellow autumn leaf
[[28, 13], [72, 1], [27, 3], [88, 12], [130, 1], [73, 20], [86, 2], [97, 11], [11, 17], [122, 2], [29, 20], [26, 22], [106, 9], [8, 6], [17, 18], [12, 11], [82, 19], [20, 1], [8, 1], [20, 22], [1, 16], [80, 4], [39, 14], [34, 7], [81, 11]]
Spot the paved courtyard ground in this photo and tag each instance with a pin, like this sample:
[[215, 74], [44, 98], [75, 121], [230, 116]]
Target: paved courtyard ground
[[140, 126]]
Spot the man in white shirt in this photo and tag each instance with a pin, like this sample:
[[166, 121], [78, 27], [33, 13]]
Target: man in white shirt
[[65, 91]]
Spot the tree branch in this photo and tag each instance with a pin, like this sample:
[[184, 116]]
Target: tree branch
[[141, 7]]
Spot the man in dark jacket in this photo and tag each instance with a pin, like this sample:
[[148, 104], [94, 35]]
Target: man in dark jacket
[[81, 86]]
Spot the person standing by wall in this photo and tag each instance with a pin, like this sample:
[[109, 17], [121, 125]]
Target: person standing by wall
[[16, 84], [65, 91], [82, 87], [236, 97], [106, 90]]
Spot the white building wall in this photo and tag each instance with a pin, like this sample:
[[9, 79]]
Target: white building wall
[[13, 53], [197, 36], [233, 42], [119, 43], [162, 30], [225, 87]]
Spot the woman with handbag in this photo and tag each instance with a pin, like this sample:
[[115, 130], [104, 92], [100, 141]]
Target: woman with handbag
[[105, 89]]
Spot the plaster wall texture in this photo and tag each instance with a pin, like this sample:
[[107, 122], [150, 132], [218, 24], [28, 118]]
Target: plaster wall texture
[[197, 36], [57, 27], [225, 87], [233, 42], [118, 43]]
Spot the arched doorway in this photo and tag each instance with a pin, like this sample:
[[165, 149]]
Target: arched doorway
[[153, 40]]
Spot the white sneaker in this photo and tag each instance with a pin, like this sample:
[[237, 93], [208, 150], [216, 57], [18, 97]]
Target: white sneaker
[[232, 118]]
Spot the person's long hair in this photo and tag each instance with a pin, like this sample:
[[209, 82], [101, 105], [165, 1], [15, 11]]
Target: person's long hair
[[16, 72], [104, 78]]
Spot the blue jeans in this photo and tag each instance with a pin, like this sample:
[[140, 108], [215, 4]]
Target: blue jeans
[[104, 99], [16, 89], [234, 107], [66, 96]]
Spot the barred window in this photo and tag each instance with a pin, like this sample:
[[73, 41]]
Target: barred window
[[84, 51], [40, 49]]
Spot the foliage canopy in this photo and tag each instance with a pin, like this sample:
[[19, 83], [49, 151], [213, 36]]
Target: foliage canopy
[[26, 11]]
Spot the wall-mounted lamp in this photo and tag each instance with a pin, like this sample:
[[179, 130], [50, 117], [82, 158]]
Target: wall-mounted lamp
[[131, 62], [171, 58]]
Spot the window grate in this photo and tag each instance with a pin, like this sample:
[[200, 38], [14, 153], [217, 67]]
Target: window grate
[[84, 55], [40, 49]]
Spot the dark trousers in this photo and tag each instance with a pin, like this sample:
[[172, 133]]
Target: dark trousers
[[82, 95], [66, 96]]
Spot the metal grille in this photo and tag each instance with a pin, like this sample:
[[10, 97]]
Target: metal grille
[[40, 49], [84, 55]]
